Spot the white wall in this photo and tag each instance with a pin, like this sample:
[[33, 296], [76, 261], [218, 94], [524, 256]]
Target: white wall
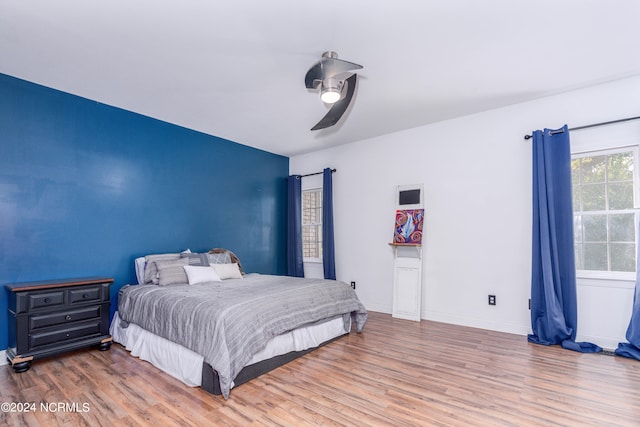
[[476, 172]]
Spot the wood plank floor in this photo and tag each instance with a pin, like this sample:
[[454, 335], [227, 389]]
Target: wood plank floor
[[396, 373]]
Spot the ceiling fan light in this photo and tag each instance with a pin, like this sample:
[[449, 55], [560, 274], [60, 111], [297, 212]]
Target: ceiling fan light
[[330, 95], [330, 92]]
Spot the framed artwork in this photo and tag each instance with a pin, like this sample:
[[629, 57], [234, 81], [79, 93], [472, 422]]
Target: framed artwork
[[408, 229]]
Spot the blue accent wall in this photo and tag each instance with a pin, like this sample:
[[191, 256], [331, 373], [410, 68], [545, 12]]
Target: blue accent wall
[[85, 188]]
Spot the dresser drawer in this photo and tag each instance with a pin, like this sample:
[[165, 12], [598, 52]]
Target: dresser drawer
[[58, 336], [57, 299], [46, 299], [85, 294], [54, 319]]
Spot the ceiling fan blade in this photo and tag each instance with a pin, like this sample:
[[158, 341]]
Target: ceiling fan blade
[[338, 109], [326, 68]]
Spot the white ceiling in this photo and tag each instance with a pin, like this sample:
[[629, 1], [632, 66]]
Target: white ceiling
[[235, 68]]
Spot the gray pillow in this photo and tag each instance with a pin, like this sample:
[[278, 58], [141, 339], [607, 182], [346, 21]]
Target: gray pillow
[[197, 259], [223, 258], [151, 270], [172, 272]]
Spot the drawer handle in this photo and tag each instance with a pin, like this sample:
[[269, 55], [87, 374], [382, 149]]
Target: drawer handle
[[67, 317], [85, 296], [68, 335], [47, 300]]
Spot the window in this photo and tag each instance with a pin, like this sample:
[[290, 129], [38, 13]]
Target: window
[[604, 194], [312, 225]]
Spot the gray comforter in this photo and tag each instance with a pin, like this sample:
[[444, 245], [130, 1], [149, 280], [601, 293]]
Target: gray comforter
[[228, 322]]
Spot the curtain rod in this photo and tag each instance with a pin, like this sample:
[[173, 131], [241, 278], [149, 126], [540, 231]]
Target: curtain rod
[[317, 173], [592, 125]]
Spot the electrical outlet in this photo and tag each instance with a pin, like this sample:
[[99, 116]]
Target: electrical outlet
[[353, 285], [492, 300]]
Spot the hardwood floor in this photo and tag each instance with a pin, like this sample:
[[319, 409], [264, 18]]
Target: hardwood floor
[[396, 373]]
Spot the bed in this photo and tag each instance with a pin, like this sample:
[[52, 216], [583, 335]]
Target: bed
[[201, 319]]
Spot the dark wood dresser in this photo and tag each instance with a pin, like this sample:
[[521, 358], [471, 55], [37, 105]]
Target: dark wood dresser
[[50, 317]]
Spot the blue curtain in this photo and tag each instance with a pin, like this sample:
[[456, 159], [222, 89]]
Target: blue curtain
[[632, 348], [328, 245], [554, 314], [295, 265]]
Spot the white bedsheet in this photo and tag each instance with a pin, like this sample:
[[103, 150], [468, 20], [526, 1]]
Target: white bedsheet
[[186, 365]]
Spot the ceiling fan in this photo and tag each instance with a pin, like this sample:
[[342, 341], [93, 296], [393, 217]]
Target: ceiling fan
[[337, 85]]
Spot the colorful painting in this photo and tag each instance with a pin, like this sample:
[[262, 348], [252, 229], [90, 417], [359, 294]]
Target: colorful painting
[[408, 230]]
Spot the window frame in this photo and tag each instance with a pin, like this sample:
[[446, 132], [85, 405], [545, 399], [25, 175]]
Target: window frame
[[317, 224], [634, 148]]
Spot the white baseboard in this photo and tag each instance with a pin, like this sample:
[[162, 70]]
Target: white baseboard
[[3, 358], [607, 343], [462, 321], [378, 308], [458, 320], [510, 328]]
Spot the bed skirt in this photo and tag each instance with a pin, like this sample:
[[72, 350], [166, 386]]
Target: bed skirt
[[190, 367]]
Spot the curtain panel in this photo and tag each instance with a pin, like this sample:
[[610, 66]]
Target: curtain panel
[[553, 273], [328, 244], [632, 348], [295, 264]]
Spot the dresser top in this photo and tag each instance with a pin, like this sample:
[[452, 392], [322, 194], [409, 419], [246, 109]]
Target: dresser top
[[56, 283]]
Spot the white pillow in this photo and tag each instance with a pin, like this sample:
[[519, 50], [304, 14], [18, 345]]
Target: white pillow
[[139, 263], [227, 271], [200, 274]]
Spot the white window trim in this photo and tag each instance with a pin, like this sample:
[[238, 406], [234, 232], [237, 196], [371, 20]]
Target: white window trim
[[615, 275], [606, 275], [314, 260]]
